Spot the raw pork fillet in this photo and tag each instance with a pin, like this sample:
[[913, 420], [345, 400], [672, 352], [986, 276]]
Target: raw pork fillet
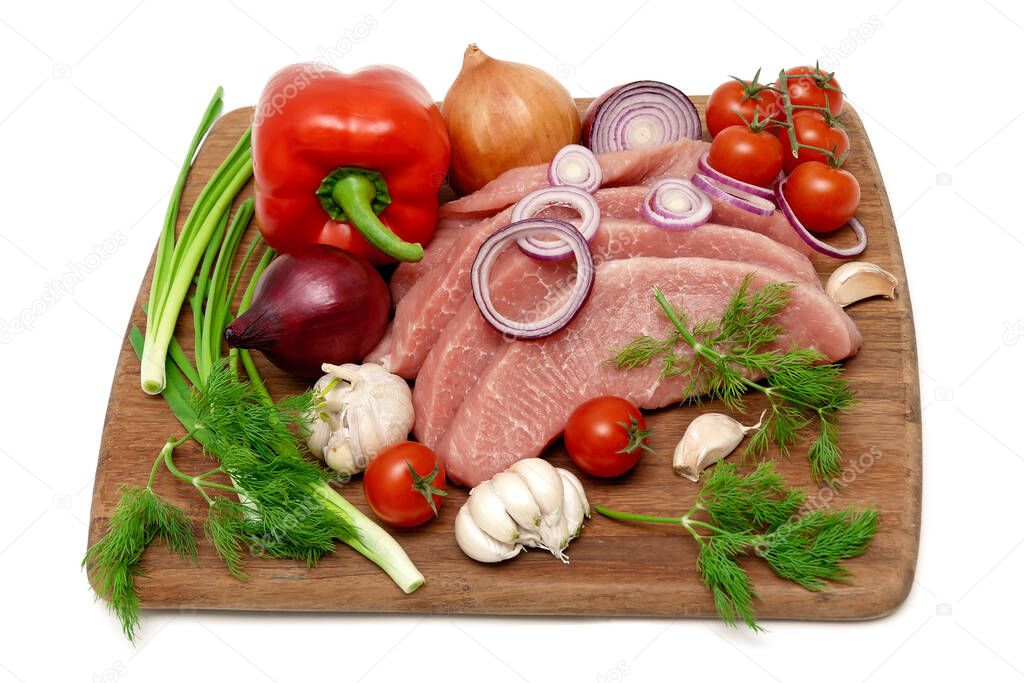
[[522, 287], [622, 202], [435, 297], [523, 399], [406, 274], [630, 167]]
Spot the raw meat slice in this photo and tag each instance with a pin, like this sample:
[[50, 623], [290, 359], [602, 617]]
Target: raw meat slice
[[775, 226], [521, 402], [436, 296], [522, 287], [678, 159], [406, 274], [630, 167]]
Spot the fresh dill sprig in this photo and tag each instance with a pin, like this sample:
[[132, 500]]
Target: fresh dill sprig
[[225, 529], [141, 517], [808, 549], [721, 357], [729, 585], [758, 515], [758, 500]]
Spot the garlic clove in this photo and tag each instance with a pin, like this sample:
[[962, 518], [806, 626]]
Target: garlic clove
[[709, 438], [477, 544], [852, 282], [339, 457], [570, 479], [489, 513], [319, 435], [574, 506], [518, 501], [544, 483], [554, 537]]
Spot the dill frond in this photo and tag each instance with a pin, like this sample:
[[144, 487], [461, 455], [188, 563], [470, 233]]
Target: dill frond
[[140, 517], [721, 357], [757, 515]]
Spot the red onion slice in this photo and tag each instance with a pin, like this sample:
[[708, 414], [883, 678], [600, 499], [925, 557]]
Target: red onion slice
[[814, 242], [675, 204], [480, 276], [576, 166], [731, 195], [562, 195], [639, 115], [756, 190]]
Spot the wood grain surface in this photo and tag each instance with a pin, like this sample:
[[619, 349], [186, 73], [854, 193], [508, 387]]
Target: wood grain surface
[[616, 568]]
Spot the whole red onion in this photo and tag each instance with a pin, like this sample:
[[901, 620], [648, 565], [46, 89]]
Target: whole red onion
[[324, 306]]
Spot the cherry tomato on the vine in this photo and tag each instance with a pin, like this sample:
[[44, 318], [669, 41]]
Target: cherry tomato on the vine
[[822, 197], [753, 156], [811, 128], [404, 484], [737, 101], [809, 86], [605, 436]]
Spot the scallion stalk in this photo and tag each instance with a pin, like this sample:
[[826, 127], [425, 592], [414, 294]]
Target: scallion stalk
[[171, 280]]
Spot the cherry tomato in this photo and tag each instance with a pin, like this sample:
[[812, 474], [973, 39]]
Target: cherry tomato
[[809, 86], [404, 484], [822, 197], [812, 129], [605, 436], [751, 156], [734, 98]]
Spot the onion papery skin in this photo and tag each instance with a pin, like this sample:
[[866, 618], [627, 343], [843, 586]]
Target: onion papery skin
[[503, 115]]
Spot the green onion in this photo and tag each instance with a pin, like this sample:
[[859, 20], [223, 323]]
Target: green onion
[[177, 259]]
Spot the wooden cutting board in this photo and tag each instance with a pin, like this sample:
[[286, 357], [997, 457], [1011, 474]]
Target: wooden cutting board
[[616, 568]]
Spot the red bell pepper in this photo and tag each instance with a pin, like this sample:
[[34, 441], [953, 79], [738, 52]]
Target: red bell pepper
[[351, 160]]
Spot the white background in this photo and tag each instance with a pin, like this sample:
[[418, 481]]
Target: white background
[[97, 104]]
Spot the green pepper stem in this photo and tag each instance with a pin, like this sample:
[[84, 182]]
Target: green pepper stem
[[355, 195]]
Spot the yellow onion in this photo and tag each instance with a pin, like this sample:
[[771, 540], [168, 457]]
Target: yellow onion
[[501, 115]]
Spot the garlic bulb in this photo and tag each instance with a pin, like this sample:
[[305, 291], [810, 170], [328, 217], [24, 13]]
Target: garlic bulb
[[852, 282], [531, 504], [364, 409], [708, 439]]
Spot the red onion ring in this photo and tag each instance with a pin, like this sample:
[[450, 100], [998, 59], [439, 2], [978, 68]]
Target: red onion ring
[[731, 195], [675, 204], [480, 276], [814, 242], [561, 195], [639, 115], [576, 166], [756, 190]]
